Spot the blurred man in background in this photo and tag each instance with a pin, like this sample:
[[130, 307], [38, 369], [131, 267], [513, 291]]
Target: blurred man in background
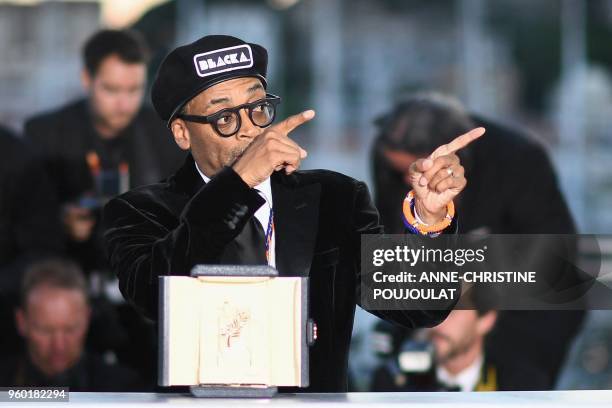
[[53, 318], [457, 356], [459, 345], [501, 198], [106, 143]]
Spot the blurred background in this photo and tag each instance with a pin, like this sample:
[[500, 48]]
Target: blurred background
[[543, 66]]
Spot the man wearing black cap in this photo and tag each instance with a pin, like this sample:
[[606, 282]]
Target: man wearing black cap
[[239, 199]]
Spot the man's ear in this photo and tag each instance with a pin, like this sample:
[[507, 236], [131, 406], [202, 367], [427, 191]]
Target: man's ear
[[486, 322], [20, 320], [86, 79], [181, 133]]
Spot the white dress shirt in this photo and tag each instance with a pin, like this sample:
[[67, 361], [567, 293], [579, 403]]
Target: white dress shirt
[[467, 379], [262, 214]]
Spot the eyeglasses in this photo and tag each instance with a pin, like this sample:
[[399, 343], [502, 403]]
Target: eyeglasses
[[227, 122]]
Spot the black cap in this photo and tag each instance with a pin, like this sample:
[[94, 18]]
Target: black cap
[[192, 68]]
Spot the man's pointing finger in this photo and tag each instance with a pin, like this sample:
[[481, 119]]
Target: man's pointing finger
[[458, 143], [292, 122]]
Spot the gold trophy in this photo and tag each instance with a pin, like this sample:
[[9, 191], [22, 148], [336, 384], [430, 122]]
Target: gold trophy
[[234, 331]]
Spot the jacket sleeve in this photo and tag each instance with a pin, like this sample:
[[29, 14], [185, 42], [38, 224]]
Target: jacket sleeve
[[142, 245], [366, 221]]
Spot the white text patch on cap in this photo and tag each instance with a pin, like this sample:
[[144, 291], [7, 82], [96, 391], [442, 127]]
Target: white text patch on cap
[[223, 60]]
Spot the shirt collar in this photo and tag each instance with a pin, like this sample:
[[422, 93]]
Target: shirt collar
[[467, 379], [265, 188]]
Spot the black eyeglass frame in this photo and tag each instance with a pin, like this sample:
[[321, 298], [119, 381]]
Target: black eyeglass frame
[[274, 100]]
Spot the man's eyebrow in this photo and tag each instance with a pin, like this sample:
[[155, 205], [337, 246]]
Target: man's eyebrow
[[217, 101], [255, 88], [225, 99]]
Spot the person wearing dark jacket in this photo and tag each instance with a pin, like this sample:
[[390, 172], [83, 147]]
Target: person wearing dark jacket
[[458, 360], [53, 318], [239, 199], [513, 190], [99, 146], [29, 229]]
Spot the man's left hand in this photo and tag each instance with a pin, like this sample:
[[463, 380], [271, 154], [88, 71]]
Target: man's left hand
[[438, 178]]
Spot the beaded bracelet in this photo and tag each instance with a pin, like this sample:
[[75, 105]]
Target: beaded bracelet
[[417, 227]]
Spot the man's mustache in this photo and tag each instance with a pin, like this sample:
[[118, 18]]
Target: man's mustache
[[238, 152], [453, 351]]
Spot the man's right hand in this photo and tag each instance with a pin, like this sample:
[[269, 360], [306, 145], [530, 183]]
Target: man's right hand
[[271, 151]]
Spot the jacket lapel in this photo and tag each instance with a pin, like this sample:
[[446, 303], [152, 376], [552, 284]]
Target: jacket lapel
[[186, 179], [296, 216], [296, 219]]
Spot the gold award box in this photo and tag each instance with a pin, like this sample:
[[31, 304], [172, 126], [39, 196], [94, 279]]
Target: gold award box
[[230, 331]]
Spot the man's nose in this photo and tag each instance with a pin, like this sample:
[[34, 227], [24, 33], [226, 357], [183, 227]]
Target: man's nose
[[247, 129], [125, 102], [58, 342]]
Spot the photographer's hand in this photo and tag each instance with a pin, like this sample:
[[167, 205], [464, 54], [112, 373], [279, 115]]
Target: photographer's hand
[[79, 222]]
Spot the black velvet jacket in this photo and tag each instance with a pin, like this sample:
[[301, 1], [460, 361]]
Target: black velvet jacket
[[167, 228]]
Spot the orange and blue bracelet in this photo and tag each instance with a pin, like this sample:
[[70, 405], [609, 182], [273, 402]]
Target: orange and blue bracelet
[[417, 227]]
